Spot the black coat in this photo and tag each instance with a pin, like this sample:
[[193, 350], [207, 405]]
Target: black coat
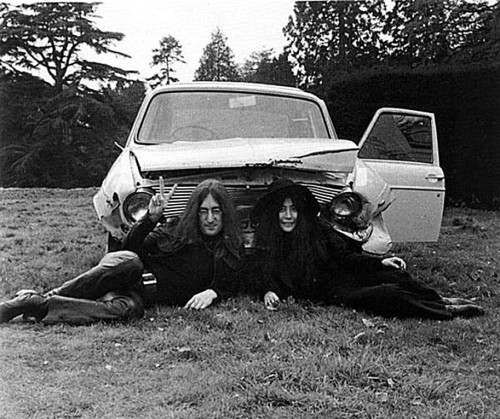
[[342, 260], [184, 269], [347, 276]]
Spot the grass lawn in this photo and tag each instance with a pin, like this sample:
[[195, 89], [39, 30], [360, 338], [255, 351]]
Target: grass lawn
[[237, 360]]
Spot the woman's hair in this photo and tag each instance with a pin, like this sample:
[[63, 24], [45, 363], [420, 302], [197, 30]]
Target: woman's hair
[[188, 230], [305, 243]]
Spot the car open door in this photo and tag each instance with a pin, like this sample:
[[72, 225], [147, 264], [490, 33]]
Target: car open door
[[401, 146]]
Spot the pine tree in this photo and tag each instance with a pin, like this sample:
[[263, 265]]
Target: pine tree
[[50, 37], [217, 62], [331, 36], [169, 52], [58, 132], [428, 32], [263, 67]]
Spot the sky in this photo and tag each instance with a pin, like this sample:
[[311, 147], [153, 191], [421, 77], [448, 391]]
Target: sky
[[249, 26]]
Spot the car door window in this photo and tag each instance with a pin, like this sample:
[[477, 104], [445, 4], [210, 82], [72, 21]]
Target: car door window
[[400, 137]]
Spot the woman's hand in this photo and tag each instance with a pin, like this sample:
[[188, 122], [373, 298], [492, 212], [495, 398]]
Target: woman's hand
[[159, 201], [394, 262], [201, 300], [271, 301]]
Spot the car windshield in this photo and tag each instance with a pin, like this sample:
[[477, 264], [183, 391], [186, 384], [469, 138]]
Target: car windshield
[[205, 116]]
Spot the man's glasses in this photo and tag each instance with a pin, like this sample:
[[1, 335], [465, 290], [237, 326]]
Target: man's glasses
[[203, 212]]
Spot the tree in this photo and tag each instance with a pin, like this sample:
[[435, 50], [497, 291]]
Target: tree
[[22, 97], [428, 32], [125, 98], [263, 67], [65, 140], [417, 30], [217, 62], [330, 36], [50, 36], [59, 133], [256, 60], [169, 52], [478, 33]]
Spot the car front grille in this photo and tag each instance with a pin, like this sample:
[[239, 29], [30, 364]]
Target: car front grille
[[241, 195]]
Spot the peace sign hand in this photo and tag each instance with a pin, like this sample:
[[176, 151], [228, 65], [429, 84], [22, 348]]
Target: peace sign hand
[[159, 201]]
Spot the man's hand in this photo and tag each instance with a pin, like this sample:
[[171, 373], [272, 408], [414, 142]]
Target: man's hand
[[159, 201], [394, 262], [201, 300], [271, 301]]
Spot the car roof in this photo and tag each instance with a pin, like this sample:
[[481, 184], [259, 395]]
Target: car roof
[[236, 86]]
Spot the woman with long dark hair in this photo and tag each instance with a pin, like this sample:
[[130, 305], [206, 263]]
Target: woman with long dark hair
[[302, 257]]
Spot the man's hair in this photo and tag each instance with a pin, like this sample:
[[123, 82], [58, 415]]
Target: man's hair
[[188, 230]]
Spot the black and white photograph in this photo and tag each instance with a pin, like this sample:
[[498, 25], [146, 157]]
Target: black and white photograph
[[250, 209]]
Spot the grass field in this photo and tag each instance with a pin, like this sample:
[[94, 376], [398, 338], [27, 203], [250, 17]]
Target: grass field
[[237, 360]]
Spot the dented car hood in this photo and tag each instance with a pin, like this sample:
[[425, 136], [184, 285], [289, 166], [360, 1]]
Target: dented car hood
[[318, 154]]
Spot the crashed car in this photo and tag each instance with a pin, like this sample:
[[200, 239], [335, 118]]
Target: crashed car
[[387, 188]]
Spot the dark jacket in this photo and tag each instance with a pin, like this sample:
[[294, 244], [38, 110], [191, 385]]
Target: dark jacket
[[184, 269], [346, 276], [343, 264]]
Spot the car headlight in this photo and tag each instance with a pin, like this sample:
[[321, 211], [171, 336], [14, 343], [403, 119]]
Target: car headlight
[[136, 205], [345, 206]]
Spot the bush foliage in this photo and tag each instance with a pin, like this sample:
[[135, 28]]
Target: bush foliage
[[64, 139]]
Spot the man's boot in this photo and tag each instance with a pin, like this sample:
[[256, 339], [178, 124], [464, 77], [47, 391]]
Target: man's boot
[[29, 304], [456, 301], [465, 310]]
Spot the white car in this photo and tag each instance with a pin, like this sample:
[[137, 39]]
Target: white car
[[389, 188]]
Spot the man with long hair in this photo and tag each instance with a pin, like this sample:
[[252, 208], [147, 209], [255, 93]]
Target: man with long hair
[[195, 263]]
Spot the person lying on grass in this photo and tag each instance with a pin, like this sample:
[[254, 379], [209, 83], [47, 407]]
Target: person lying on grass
[[303, 258], [195, 264]]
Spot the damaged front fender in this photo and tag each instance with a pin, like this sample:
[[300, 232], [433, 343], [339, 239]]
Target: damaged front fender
[[118, 184]]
